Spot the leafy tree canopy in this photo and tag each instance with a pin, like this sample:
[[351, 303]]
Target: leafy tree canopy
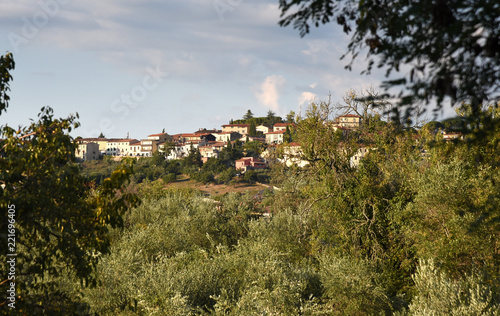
[[450, 48], [60, 222], [7, 64]]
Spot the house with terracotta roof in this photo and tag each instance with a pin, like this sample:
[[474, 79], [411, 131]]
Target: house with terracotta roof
[[150, 145], [275, 137], [228, 136], [249, 163], [263, 129], [134, 148], [243, 129], [211, 150], [281, 126]]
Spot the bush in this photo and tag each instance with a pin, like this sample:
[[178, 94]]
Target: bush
[[169, 177], [250, 176], [204, 177], [437, 294], [227, 175]]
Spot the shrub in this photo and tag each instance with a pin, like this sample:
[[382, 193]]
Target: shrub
[[169, 177]]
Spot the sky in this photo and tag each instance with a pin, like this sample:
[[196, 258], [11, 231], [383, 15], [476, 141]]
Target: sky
[[138, 67]]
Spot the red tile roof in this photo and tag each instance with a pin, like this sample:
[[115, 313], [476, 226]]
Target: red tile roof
[[160, 134]]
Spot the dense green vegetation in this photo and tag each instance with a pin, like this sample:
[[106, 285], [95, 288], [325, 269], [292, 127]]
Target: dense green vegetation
[[412, 230]]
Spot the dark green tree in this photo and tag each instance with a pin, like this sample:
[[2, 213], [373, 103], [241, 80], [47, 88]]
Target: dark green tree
[[101, 135], [253, 149], [271, 119], [252, 130], [248, 115], [193, 159], [452, 48]]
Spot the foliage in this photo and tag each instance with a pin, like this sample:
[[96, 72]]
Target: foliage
[[439, 294], [268, 120], [61, 224], [248, 115], [7, 64], [452, 49], [252, 131], [253, 149], [433, 127]]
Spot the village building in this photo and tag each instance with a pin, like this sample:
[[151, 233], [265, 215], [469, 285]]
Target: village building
[[263, 129], [281, 126], [150, 145], [275, 137], [87, 151], [102, 142], [119, 147], [228, 136], [243, 129], [347, 120], [249, 163]]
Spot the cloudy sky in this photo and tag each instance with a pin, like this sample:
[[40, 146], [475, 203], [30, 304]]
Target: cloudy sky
[[141, 66]]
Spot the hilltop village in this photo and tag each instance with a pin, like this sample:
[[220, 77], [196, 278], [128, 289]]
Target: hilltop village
[[210, 143]]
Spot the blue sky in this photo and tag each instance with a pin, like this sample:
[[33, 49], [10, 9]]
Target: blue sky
[[142, 66]]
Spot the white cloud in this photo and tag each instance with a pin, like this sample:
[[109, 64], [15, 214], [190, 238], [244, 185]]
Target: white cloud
[[306, 97], [270, 92]]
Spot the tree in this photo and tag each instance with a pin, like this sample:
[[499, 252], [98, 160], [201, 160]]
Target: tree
[[287, 137], [60, 222], [253, 149], [193, 159], [248, 115], [101, 135], [7, 64], [450, 50], [252, 130], [290, 117], [271, 118]]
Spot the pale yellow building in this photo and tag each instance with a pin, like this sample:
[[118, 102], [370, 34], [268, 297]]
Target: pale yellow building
[[87, 151]]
